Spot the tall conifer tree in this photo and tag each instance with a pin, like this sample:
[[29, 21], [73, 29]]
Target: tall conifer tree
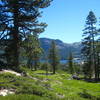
[[70, 63], [88, 43], [53, 56], [17, 18]]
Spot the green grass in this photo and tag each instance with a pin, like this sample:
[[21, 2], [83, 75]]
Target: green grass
[[23, 97], [48, 87]]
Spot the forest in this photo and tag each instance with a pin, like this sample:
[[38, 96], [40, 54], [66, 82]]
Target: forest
[[28, 72]]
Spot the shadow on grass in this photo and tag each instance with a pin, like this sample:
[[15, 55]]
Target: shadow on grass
[[92, 80], [44, 73], [86, 95], [89, 80]]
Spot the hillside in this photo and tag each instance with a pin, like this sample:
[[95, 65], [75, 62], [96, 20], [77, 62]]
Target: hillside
[[63, 48], [36, 85]]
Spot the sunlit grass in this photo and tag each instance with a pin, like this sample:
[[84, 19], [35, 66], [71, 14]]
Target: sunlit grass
[[40, 86]]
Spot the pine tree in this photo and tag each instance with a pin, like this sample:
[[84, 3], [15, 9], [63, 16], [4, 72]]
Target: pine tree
[[17, 18], [88, 43], [70, 63], [33, 51], [53, 56], [86, 54], [37, 52], [98, 58]]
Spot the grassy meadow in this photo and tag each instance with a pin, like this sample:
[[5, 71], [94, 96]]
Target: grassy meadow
[[39, 86]]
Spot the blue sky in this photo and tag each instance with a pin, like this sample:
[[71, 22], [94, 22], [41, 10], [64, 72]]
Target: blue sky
[[66, 18]]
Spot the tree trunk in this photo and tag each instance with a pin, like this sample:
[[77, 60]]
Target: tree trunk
[[54, 69], [16, 35], [93, 53]]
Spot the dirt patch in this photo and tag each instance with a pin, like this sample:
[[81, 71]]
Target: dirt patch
[[10, 71], [4, 92]]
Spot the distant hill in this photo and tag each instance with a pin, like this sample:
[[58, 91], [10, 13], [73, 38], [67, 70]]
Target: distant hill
[[63, 48]]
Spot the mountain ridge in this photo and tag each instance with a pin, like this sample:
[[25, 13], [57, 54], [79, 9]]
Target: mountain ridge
[[62, 47]]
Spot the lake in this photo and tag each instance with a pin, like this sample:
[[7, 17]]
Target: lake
[[64, 61]]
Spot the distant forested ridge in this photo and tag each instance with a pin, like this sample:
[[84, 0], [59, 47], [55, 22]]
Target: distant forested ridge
[[63, 48]]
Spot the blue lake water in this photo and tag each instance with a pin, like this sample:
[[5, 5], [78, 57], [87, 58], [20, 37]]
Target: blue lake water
[[64, 61]]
